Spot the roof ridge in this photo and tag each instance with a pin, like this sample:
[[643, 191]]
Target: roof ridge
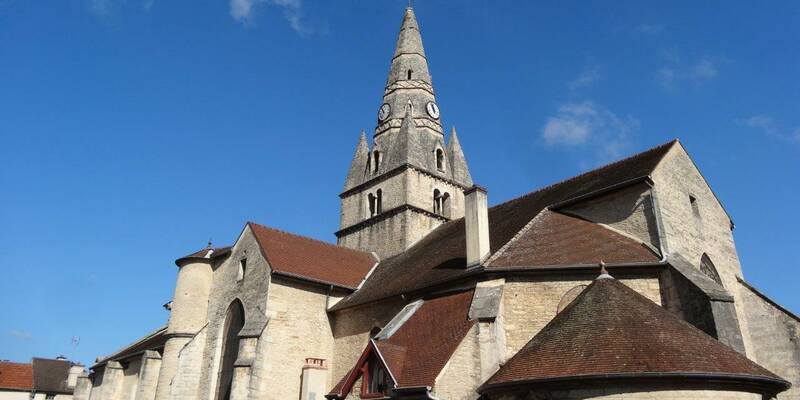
[[600, 168], [308, 238]]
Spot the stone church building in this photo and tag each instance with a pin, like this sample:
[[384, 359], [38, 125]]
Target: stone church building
[[622, 282]]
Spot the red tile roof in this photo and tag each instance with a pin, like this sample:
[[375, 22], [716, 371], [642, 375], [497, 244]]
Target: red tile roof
[[16, 376], [441, 255], [430, 336], [553, 238], [418, 351], [610, 331], [303, 257]]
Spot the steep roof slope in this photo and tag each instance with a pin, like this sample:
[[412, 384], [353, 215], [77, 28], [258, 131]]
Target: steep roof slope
[[419, 349], [441, 255], [435, 330], [552, 238], [303, 257], [16, 376], [612, 332]]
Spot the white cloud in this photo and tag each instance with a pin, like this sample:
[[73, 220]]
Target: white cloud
[[586, 78], [676, 73], [590, 124], [104, 9], [243, 11], [767, 125], [649, 29], [20, 335]]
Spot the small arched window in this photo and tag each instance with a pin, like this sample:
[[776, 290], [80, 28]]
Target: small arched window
[[378, 202], [437, 205], [376, 161], [409, 75], [445, 204], [371, 205], [440, 159], [708, 268]]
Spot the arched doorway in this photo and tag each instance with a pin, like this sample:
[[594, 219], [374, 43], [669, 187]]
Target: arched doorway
[[234, 322]]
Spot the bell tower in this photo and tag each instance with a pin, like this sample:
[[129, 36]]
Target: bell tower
[[408, 180]]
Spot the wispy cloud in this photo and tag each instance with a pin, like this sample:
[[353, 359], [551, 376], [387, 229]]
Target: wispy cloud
[[767, 125], [672, 75], [243, 11], [586, 78], [104, 9], [20, 335], [649, 29], [592, 125]]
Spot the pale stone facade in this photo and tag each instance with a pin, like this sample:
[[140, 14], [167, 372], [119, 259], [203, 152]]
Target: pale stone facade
[[240, 330]]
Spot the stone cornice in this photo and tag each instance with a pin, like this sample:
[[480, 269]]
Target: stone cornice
[[385, 215], [396, 171]]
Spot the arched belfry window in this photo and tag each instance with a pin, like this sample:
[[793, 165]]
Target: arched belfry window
[[376, 161], [708, 268], [234, 322], [371, 205], [441, 203], [440, 159]]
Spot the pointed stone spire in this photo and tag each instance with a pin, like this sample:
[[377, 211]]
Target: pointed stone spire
[[404, 143], [458, 163], [358, 166], [409, 54]]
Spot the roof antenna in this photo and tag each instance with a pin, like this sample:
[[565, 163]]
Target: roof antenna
[[208, 246], [603, 272]]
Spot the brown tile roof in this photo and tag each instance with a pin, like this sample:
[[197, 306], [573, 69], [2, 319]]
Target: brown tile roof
[[217, 252], [553, 238], [611, 331], [303, 257], [51, 375], [16, 376], [441, 255], [430, 336], [418, 351]]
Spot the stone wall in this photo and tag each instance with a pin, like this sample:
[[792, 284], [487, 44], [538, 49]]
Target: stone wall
[[530, 303], [130, 380], [351, 329], [704, 227], [628, 210], [298, 329], [776, 339], [252, 291], [462, 373]]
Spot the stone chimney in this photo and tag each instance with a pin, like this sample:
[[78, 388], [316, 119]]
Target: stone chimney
[[314, 379], [476, 222], [74, 372]]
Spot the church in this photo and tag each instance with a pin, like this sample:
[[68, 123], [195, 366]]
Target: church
[[619, 283]]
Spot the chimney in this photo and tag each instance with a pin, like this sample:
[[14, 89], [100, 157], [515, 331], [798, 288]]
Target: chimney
[[74, 372], [476, 221]]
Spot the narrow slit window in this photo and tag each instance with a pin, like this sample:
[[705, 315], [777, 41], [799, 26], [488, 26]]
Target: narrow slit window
[[409, 75], [242, 269], [371, 201], [378, 201], [376, 161], [695, 206], [437, 202]]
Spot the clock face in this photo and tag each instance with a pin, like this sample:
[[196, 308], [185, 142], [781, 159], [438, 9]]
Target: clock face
[[432, 109], [384, 111]]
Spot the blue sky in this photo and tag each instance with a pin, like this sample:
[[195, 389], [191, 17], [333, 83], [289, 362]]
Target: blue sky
[[134, 130]]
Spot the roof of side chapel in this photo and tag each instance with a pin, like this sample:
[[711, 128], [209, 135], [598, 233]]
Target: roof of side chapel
[[441, 255], [418, 351], [612, 332]]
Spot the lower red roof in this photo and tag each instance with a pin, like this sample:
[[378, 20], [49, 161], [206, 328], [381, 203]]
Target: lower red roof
[[611, 331], [16, 376]]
